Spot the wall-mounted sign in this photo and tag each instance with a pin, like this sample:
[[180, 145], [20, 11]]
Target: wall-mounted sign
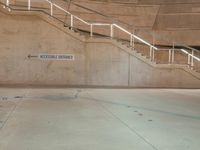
[[56, 57]]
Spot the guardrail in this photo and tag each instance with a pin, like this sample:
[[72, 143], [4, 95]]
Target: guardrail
[[187, 51]]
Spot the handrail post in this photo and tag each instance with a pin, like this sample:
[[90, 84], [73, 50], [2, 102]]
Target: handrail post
[[131, 40], [170, 55], [7, 2], [153, 57], [192, 59], [150, 53], [91, 30], [188, 60], [132, 43], [51, 8], [173, 56], [111, 31], [173, 53], [29, 4], [72, 22]]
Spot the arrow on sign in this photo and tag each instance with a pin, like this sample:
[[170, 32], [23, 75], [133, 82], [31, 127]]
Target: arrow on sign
[[31, 56]]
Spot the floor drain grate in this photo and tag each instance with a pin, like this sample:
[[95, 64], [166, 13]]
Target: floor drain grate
[[18, 97]]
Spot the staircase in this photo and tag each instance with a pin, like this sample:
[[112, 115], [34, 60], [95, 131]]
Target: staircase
[[178, 56]]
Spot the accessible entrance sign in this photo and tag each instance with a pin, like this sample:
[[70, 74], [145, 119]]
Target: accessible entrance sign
[[68, 57]]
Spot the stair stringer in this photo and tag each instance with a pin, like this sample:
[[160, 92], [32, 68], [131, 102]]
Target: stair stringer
[[143, 58]]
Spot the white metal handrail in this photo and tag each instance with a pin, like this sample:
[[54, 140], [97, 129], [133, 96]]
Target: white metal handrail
[[102, 24], [191, 56], [87, 23]]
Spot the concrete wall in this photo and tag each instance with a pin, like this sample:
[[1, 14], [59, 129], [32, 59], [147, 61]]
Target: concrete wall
[[112, 66], [107, 65], [174, 20], [147, 76], [96, 63], [28, 35]]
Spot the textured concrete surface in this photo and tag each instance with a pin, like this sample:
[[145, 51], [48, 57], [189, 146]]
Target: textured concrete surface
[[97, 62], [174, 20], [96, 119]]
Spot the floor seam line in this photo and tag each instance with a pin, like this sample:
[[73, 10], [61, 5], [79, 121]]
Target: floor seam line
[[10, 114], [132, 130]]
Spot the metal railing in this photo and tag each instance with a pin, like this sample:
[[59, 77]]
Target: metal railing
[[113, 27]]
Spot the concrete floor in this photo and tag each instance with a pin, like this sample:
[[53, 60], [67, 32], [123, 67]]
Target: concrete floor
[[99, 119]]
